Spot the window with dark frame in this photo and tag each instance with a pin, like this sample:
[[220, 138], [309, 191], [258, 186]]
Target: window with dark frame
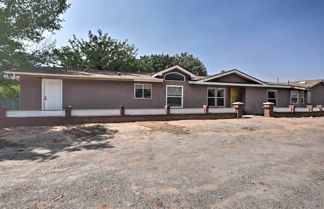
[[143, 91], [302, 97], [174, 77], [273, 96], [216, 97], [294, 96]]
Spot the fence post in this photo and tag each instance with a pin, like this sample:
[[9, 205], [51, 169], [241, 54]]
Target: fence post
[[167, 109], [309, 108], [292, 108], [320, 107], [206, 109], [238, 106], [2, 112], [268, 109], [122, 110], [68, 111]]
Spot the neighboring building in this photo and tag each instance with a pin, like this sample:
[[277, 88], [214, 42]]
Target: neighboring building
[[54, 88]]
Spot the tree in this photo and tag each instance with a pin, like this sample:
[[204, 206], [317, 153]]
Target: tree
[[155, 63], [100, 52], [191, 63], [23, 22]]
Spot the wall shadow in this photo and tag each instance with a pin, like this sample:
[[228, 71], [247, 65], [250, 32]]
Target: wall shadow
[[44, 143]]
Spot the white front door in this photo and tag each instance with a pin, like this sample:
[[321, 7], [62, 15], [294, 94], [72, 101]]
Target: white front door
[[52, 94]]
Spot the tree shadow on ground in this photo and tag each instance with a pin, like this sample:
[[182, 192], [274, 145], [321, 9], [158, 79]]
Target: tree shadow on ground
[[45, 143]]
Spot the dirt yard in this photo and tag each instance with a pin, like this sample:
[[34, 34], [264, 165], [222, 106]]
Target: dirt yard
[[238, 163]]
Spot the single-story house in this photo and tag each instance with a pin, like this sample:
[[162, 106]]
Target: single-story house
[[54, 88]]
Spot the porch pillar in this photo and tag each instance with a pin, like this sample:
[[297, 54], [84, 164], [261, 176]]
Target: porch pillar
[[292, 108], [2, 112], [268, 109], [167, 109], [239, 107], [206, 109], [122, 110], [320, 107], [309, 108], [68, 111]]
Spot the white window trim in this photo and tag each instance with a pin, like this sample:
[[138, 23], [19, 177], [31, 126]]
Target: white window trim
[[274, 90], [291, 93], [217, 97], [43, 93], [302, 96], [166, 95], [184, 77], [142, 90]]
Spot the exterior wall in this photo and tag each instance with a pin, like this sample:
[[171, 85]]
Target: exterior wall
[[318, 94], [255, 97], [30, 93], [232, 78], [95, 94]]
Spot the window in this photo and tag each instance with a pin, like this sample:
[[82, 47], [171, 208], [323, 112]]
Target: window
[[174, 77], [302, 97], [143, 91], [294, 97], [216, 97], [174, 96], [309, 97], [272, 96]]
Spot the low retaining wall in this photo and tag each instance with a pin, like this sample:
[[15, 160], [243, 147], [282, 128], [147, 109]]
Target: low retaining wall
[[49, 121], [308, 111], [68, 117], [297, 114]]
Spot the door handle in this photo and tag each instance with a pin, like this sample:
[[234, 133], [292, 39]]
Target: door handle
[[45, 98]]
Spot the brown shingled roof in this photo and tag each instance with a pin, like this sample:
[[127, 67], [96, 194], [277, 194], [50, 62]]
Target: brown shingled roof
[[301, 84], [94, 74]]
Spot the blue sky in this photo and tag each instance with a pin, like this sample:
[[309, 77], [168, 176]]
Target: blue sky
[[268, 39]]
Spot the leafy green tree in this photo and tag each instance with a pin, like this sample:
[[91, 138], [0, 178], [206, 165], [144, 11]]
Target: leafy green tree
[[155, 63], [9, 88], [99, 52], [23, 22]]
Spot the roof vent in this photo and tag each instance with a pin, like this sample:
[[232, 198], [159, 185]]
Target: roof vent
[[119, 73], [302, 82]]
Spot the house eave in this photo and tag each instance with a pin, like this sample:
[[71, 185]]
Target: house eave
[[105, 77], [237, 84]]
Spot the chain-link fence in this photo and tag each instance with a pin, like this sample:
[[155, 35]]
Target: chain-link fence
[[10, 103]]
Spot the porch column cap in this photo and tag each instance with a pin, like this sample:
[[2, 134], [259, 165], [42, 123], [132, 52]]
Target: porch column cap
[[268, 103], [238, 103]]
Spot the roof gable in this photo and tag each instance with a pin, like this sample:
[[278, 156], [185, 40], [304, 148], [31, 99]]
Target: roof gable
[[176, 67], [233, 76]]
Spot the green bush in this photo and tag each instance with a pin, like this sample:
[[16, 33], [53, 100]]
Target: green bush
[[9, 88]]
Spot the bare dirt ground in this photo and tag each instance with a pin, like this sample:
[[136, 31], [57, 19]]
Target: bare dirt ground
[[239, 163]]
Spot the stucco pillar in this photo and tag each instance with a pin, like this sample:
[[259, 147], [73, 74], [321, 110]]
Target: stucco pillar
[[2, 112], [239, 107], [309, 108], [167, 109], [122, 111], [292, 108], [320, 107], [68, 111], [206, 109], [268, 109]]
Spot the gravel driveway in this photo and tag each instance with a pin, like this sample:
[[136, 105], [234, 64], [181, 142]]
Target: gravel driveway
[[238, 163]]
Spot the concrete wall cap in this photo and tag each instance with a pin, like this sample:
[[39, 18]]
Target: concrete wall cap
[[238, 103], [268, 103]]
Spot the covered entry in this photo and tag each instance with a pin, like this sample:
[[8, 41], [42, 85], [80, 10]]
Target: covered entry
[[236, 94]]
